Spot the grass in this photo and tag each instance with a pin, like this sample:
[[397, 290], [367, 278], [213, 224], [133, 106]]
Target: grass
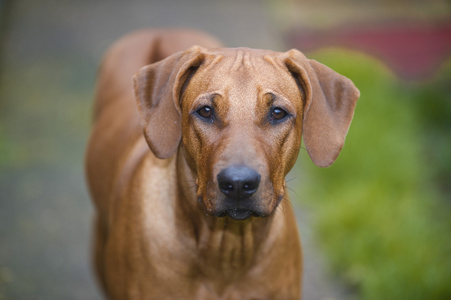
[[380, 213]]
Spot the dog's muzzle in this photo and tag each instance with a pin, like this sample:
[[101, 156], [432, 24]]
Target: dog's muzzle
[[238, 184]]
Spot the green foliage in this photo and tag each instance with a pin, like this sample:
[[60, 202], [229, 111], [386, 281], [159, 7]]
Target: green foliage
[[380, 217]]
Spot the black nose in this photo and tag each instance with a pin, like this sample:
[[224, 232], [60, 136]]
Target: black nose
[[238, 182]]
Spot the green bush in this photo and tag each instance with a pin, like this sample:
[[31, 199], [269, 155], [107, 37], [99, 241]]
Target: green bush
[[379, 215]]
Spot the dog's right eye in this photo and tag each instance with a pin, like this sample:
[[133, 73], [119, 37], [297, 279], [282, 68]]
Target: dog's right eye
[[278, 115], [206, 113]]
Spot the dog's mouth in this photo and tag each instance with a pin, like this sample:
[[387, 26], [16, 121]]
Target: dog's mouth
[[239, 210], [238, 214]]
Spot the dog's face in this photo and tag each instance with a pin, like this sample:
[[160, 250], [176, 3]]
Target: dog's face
[[241, 131], [238, 115]]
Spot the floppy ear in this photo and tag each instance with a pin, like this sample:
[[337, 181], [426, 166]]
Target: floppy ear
[[158, 90], [330, 99]]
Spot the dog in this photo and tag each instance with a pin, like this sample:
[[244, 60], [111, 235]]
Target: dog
[[186, 165]]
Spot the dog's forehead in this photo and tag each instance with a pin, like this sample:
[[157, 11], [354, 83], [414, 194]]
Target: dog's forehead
[[242, 80], [237, 58], [244, 68], [233, 52]]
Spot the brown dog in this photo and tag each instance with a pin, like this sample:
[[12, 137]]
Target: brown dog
[[204, 214]]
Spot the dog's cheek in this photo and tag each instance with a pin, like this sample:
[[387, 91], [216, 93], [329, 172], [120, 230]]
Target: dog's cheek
[[191, 145], [278, 178], [207, 191], [291, 148], [197, 150], [283, 154]]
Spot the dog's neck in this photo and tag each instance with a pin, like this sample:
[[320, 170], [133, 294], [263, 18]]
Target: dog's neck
[[221, 243]]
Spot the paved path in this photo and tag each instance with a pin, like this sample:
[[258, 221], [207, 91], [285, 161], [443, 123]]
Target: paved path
[[50, 54]]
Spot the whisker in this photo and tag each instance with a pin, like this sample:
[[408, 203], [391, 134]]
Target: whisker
[[289, 180], [280, 207], [190, 180], [192, 187], [294, 192], [291, 203]]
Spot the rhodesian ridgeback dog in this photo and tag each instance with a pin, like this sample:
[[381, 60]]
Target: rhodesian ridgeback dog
[[186, 167]]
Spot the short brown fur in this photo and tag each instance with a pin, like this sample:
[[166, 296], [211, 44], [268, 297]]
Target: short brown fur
[[160, 228]]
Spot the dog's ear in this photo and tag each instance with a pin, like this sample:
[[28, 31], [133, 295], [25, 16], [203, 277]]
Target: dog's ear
[[158, 91], [329, 103]]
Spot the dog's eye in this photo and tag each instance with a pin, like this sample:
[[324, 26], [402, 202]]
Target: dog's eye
[[278, 114], [205, 112]]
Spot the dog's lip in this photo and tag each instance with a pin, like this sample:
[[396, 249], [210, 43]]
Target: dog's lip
[[239, 214]]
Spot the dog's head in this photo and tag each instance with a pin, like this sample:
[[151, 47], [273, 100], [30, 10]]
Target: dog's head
[[239, 115]]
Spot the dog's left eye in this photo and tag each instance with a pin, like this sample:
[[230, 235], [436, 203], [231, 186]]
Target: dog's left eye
[[205, 112], [278, 114]]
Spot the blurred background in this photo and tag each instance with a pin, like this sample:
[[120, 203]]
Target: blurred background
[[375, 225]]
